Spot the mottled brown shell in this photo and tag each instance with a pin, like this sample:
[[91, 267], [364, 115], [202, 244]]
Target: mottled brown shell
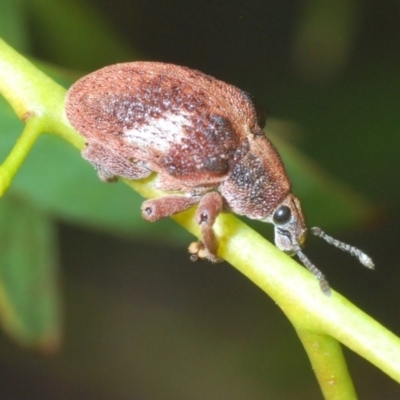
[[191, 128]]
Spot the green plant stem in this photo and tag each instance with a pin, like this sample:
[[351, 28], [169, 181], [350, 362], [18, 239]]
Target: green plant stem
[[22, 93], [14, 160], [320, 321], [33, 95], [335, 382]]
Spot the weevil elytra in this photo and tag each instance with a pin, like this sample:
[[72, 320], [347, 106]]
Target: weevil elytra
[[205, 140]]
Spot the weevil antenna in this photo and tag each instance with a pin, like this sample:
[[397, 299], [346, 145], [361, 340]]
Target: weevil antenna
[[323, 283], [362, 257]]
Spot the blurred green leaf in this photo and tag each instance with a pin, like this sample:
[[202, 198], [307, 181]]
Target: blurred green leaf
[[13, 24], [324, 199], [67, 30], [353, 127], [325, 38], [29, 298]]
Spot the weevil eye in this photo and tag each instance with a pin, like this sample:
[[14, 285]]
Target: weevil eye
[[282, 215]]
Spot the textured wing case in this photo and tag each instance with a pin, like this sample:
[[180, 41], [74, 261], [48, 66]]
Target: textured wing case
[[178, 121]]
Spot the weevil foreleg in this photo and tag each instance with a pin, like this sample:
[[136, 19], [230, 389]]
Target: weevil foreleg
[[209, 208]]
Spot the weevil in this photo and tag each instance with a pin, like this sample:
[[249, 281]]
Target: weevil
[[205, 140]]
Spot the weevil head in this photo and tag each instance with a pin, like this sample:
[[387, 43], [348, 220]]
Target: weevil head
[[289, 223]]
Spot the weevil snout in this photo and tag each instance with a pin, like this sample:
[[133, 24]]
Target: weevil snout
[[290, 234], [290, 227]]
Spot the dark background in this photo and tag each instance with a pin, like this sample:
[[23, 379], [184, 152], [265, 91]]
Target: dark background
[[141, 321]]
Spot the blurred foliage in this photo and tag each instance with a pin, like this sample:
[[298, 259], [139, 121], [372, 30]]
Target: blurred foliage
[[325, 38], [329, 74], [30, 301], [75, 34]]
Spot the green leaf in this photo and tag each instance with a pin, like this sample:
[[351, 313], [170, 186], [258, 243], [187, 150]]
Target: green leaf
[[13, 27], [65, 30], [29, 291], [351, 127]]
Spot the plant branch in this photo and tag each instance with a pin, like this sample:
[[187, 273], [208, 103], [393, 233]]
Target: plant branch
[[17, 156], [33, 94], [325, 352]]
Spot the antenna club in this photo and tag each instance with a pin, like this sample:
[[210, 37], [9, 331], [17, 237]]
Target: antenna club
[[366, 261]]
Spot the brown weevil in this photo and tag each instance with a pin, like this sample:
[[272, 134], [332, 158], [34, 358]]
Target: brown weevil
[[205, 140]]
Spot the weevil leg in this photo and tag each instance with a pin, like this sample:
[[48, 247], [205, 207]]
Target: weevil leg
[[209, 208], [109, 165], [155, 209]]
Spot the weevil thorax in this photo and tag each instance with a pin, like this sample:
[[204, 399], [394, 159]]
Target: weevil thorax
[[259, 188]]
